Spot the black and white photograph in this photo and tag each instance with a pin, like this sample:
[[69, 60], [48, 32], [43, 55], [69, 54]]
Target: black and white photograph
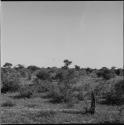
[[61, 62]]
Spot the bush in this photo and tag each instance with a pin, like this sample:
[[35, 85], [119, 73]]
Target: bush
[[112, 91], [55, 93], [26, 92], [59, 93], [31, 90], [10, 80], [78, 93], [62, 91], [106, 73], [41, 85], [43, 74], [32, 68], [116, 96]]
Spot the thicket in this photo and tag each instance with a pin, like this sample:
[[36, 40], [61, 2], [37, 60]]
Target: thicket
[[10, 80], [59, 83], [111, 92]]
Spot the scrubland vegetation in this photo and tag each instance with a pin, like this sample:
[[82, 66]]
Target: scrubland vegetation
[[61, 95]]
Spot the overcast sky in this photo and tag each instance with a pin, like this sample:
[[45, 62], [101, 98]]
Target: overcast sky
[[89, 33]]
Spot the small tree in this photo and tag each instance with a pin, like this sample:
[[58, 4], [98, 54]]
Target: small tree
[[67, 63], [7, 65], [19, 66], [89, 70], [33, 68], [77, 67]]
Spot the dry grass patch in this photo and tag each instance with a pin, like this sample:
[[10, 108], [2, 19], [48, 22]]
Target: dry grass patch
[[8, 103]]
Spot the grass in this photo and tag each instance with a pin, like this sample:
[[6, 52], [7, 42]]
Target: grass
[[34, 110], [8, 103], [25, 112], [44, 117]]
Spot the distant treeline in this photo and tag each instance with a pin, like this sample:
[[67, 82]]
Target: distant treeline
[[104, 72]]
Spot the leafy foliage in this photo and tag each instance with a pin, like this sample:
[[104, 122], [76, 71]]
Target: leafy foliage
[[59, 82], [10, 80], [26, 92], [112, 91], [62, 90], [32, 68], [105, 73], [43, 74]]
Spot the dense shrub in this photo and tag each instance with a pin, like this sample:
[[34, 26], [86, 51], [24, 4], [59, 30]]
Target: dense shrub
[[43, 74], [82, 72], [41, 85], [26, 92], [77, 67], [34, 89], [119, 72], [80, 91], [105, 73], [33, 68], [112, 91], [7, 65], [55, 93], [59, 94], [10, 80], [62, 90], [89, 70]]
